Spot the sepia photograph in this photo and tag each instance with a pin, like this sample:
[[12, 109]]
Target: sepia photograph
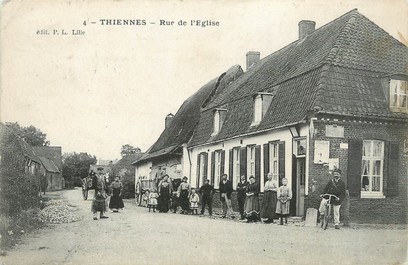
[[203, 132]]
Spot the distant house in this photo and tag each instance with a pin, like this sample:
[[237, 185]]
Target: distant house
[[168, 155], [51, 161], [126, 170], [334, 98]]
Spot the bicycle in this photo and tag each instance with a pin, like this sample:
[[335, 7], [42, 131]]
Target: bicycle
[[327, 209]]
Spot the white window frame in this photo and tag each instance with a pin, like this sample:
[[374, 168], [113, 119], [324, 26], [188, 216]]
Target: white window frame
[[274, 160], [257, 110], [251, 161], [236, 153], [217, 170], [371, 159], [202, 166], [397, 93]]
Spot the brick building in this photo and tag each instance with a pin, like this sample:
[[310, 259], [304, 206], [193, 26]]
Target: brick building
[[334, 98]]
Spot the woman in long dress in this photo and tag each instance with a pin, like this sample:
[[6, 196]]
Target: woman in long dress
[[269, 199], [183, 193], [251, 207], [116, 201], [164, 195]]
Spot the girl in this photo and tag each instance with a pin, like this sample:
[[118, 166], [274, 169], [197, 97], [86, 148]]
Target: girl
[[153, 200], [145, 199], [194, 199], [283, 204], [251, 208]]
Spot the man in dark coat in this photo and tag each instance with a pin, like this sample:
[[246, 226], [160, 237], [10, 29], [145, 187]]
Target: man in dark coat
[[336, 187], [225, 196], [207, 192]]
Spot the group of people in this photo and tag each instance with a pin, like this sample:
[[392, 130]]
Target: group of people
[[106, 195]]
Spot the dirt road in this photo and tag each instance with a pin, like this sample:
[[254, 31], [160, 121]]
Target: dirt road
[[135, 236]]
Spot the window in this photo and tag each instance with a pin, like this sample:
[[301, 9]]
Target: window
[[203, 165], [218, 168], [251, 161], [236, 165], [398, 94], [262, 102], [218, 120], [274, 160], [372, 168], [299, 147]]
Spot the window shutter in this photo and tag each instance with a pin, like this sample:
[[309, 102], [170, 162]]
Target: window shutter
[[392, 177], [266, 161], [212, 167], [222, 162], [258, 164], [231, 164], [198, 171], [281, 165], [243, 162], [205, 173], [355, 150]]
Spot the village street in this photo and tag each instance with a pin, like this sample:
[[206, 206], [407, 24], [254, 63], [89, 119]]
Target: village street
[[135, 236]]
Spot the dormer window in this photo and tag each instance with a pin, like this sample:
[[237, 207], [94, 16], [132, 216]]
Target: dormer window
[[218, 120], [398, 95], [262, 101]]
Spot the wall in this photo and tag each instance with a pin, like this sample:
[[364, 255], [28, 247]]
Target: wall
[[143, 170], [364, 210]]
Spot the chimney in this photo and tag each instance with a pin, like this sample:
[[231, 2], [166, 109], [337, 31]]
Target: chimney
[[252, 58], [168, 120], [306, 27]]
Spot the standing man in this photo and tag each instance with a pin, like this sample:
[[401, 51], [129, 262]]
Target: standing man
[[336, 187], [207, 192], [225, 193], [241, 188]]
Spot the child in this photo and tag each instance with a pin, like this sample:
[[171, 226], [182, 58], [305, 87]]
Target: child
[[153, 200], [194, 199], [145, 199], [282, 206]]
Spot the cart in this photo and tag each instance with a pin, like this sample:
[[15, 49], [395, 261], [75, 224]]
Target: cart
[[142, 185]]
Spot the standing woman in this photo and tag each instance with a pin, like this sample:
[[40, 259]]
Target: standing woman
[[241, 188], [251, 208], [116, 201], [270, 199], [183, 193], [99, 200], [164, 194]]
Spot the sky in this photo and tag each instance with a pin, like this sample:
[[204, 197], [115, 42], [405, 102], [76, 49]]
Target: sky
[[114, 84]]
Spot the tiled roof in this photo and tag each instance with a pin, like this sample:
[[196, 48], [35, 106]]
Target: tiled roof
[[49, 165], [343, 59], [185, 120], [51, 152], [129, 159]]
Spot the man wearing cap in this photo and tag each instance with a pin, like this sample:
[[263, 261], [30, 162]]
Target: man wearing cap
[[225, 193], [207, 192], [336, 187]]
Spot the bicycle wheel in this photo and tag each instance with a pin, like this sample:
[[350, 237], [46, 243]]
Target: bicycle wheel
[[327, 216]]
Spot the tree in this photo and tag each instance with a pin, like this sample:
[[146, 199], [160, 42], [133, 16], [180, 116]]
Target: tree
[[31, 135], [75, 166], [128, 149]]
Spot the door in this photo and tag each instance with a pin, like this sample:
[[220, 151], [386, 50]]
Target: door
[[300, 185]]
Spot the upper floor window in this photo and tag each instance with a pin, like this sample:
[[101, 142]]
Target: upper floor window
[[398, 95], [218, 120], [262, 102]]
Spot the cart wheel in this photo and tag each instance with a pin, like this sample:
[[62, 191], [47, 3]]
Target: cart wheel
[[138, 199]]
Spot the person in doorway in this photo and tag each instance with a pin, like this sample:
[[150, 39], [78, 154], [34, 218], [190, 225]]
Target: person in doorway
[[116, 201], [207, 192], [183, 193], [251, 208], [269, 199], [225, 193], [336, 187], [165, 189], [241, 188], [283, 205], [194, 199], [99, 200]]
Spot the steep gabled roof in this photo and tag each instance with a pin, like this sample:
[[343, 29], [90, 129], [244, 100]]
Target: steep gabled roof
[[129, 159], [49, 165], [185, 120], [343, 59], [53, 153]]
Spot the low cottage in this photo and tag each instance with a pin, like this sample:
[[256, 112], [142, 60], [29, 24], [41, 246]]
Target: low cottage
[[51, 161]]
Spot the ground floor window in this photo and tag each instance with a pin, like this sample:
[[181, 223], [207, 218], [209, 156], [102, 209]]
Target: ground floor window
[[372, 168]]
